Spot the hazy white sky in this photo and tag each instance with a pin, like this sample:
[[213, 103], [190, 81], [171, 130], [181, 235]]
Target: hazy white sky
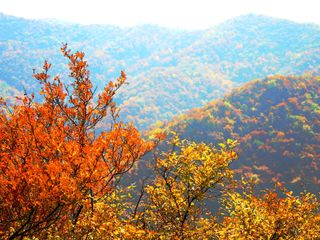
[[188, 14]]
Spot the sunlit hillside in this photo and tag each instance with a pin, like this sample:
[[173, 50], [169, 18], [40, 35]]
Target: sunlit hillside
[[276, 121]]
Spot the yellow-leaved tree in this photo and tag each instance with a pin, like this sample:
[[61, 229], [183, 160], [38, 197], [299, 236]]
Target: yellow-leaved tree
[[184, 178], [273, 214]]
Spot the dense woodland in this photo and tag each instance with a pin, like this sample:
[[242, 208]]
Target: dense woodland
[[191, 67], [243, 166]]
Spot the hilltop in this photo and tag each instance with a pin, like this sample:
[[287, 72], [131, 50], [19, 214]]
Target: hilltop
[[275, 120]]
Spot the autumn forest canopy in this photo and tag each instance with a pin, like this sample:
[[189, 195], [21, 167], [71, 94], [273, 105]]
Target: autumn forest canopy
[[183, 143]]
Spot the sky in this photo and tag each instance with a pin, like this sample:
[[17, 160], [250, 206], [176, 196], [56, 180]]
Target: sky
[[183, 14]]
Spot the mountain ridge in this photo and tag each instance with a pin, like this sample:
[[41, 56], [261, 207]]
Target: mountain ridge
[[189, 67]]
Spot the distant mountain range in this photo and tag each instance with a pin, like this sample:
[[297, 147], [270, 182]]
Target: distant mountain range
[[169, 71], [277, 123]]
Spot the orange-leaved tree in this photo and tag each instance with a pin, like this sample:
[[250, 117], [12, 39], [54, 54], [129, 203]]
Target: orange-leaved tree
[[54, 169]]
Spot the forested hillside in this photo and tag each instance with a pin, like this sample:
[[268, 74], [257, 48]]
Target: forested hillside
[[277, 122], [62, 179], [169, 71]]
